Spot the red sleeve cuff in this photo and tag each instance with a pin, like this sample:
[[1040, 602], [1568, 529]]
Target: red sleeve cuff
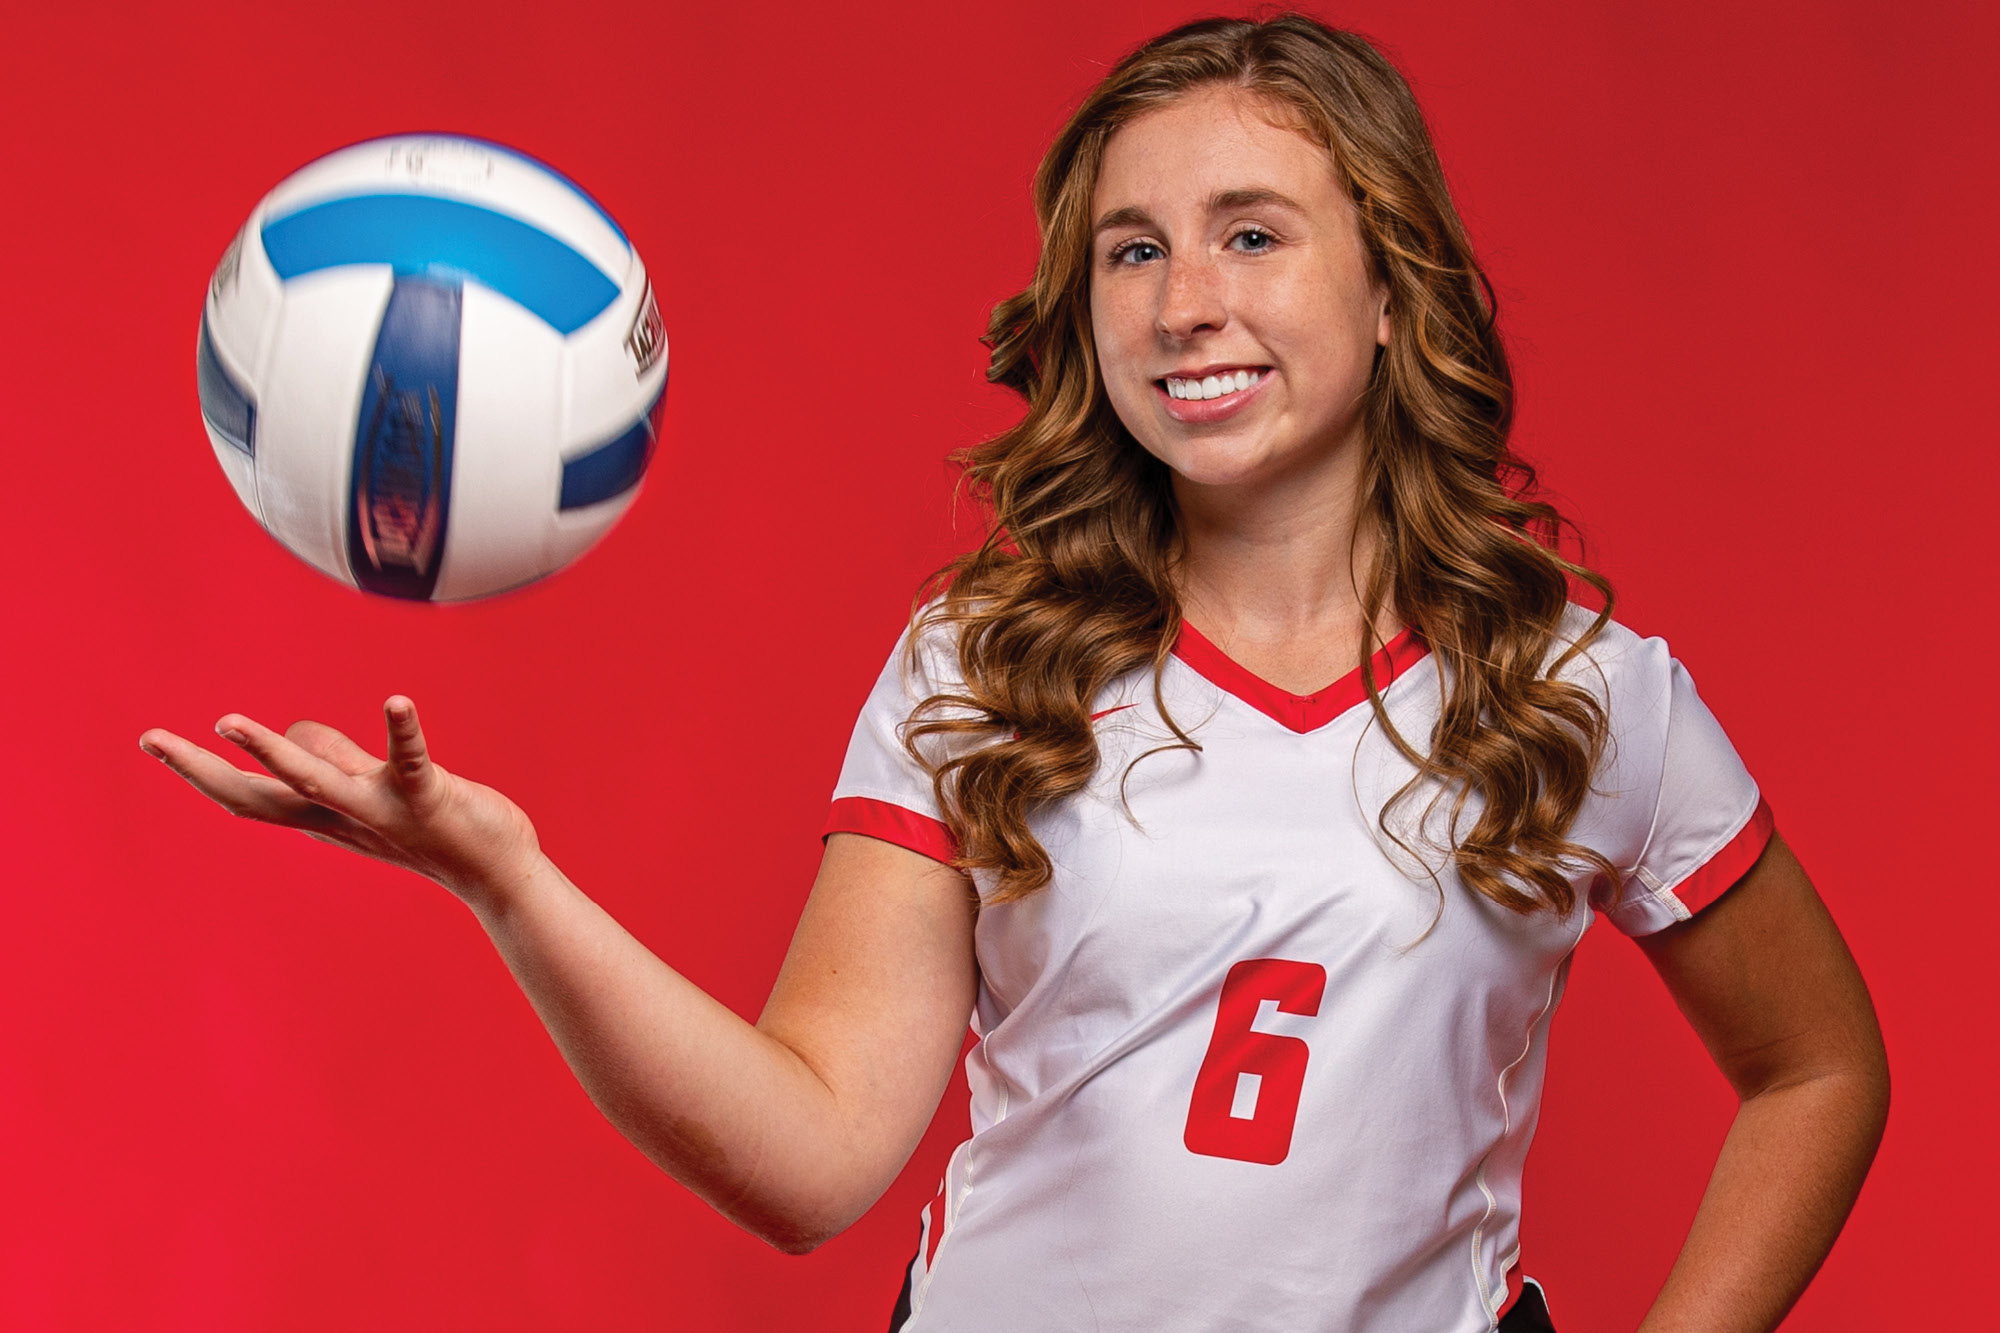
[[892, 823], [1716, 875]]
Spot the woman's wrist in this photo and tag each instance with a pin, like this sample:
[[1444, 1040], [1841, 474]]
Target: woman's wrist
[[500, 890]]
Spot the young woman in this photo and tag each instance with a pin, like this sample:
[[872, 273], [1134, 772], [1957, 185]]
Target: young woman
[[1263, 967]]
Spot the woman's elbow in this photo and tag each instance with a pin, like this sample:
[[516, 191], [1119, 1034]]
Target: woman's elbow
[[795, 1235], [794, 1225]]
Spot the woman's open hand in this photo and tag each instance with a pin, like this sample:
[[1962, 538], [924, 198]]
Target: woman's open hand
[[406, 810]]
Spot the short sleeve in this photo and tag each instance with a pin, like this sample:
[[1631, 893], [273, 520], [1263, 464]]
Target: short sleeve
[[1688, 821], [883, 791]]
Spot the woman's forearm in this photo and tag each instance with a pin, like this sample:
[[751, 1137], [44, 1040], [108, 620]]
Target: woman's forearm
[[731, 1112], [1783, 1184]]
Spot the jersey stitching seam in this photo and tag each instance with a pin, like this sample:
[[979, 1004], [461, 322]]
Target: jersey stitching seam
[[1486, 1297], [953, 1201], [1664, 703]]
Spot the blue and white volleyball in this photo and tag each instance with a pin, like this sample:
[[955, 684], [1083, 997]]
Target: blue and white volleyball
[[432, 367]]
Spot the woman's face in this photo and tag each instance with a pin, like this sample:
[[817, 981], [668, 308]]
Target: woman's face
[[1235, 313]]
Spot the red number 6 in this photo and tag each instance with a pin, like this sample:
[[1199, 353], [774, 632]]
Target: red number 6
[[1246, 1097]]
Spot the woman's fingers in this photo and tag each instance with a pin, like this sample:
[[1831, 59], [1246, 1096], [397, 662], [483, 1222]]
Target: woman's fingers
[[321, 781], [409, 757], [298, 768], [333, 746], [247, 795]]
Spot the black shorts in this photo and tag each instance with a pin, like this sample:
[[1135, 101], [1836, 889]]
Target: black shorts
[[1529, 1313]]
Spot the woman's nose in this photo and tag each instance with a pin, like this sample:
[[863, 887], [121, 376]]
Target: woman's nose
[[1192, 299]]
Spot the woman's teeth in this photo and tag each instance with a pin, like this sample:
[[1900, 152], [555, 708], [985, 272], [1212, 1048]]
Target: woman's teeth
[[1213, 386]]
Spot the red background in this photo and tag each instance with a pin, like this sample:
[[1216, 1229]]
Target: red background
[[1745, 260]]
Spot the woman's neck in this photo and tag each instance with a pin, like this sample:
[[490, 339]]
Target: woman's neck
[[1276, 578]]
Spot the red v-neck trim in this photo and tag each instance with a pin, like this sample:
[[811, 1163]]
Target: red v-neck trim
[[1299, 712]]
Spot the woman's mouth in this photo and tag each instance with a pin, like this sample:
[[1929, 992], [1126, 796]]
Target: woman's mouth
[[1213, 397], [1211, 386]]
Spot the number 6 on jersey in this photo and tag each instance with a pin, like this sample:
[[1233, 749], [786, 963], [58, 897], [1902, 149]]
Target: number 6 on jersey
[[1246, 1096]]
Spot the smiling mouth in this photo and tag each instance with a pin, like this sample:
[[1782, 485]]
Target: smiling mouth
[[1211, 386]]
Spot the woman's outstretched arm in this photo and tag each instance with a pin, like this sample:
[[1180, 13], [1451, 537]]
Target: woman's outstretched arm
[[1768, 984], [792, 1127]]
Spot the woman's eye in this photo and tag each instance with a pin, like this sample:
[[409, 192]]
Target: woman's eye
[[1255, 240], [1134, 252]]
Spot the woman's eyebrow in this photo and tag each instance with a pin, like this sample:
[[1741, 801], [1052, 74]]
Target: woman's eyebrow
[[1222, 201], [1129, 216], [1227, 201]]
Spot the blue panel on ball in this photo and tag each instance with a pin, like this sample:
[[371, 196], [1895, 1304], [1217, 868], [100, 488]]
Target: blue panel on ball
[[614, 467], [399, 499], [225, 405], [445, 238]]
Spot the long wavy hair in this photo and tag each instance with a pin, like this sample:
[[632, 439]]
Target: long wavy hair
[[1075, 583]]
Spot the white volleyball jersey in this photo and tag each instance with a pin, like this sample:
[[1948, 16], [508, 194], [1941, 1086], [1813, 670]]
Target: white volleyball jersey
[[1243, 1065]]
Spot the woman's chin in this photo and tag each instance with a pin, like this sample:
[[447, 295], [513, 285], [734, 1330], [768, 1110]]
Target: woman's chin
[[1241, 471]]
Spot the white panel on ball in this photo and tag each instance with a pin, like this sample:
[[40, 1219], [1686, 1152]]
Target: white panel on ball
[[615, 369], [241, 470], [242, 307], [577, 530], [311, 388], [504, 475]]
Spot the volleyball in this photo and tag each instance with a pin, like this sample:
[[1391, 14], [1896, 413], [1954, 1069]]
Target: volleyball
[[432, 367]]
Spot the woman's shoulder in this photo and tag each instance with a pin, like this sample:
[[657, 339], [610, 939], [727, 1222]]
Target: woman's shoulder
[[1608, 657], [1603, 638], [925, 660]]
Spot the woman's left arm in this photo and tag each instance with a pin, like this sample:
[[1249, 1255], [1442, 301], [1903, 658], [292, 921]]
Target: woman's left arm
[[1768, 984]]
